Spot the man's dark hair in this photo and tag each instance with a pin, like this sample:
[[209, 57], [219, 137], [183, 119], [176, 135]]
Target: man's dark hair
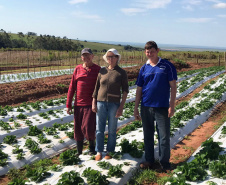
[[151, 44]]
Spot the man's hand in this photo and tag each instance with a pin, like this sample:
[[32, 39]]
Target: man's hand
[[137, 115], [171, 112], [69, 111]]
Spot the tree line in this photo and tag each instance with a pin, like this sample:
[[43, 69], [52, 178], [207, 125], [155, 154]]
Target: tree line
[[32, 41]]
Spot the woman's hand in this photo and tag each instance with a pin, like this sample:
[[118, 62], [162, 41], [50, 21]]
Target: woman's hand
[[94, 105], [94, 108]]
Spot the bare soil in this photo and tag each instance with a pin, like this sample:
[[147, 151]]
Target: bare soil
[[55, 87]]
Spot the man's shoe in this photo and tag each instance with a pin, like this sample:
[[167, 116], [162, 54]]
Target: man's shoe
[[79, 147], [107, 156], [98, 157], [146, 165], [92, 152], [166, 167], [92, 148]]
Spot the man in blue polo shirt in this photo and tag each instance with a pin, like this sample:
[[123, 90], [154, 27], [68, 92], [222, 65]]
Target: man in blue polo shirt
[[156, 88]]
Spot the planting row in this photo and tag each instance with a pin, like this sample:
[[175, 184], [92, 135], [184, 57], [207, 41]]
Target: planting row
[[7, 78], [207, 165]]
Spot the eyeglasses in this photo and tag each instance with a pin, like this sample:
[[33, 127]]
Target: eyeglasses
[[111, 57]]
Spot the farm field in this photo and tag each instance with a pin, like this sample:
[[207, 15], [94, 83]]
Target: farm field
[[53, 89]]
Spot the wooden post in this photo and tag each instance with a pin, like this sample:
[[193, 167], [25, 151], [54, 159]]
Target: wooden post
[[76, 59], [219, 61], [40, 62], [27, 64], [225, 60]]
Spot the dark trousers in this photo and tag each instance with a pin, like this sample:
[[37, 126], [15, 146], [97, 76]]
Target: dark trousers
[[160, 115], [84, 123]]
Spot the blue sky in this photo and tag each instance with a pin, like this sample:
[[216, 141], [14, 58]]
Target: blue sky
[[183, 22]]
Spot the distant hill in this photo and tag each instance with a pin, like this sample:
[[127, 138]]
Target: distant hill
[[169, 47]]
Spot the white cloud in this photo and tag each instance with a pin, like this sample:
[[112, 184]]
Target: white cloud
[[188, 7], [151, 4], [222, 16], [214, 1], [192, 2], [132, 11], [77, 1], [220, 5], [139, 6], [196, 20], [83, 15]]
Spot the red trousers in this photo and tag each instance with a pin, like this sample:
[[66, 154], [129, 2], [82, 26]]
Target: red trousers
[[84, 123]]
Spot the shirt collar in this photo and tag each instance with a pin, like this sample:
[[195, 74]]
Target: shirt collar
[[148, 61]]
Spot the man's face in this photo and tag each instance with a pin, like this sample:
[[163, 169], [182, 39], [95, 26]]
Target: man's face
[[151, 53], [86, 57]]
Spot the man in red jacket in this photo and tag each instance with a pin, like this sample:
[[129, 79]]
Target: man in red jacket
[[83, 83]]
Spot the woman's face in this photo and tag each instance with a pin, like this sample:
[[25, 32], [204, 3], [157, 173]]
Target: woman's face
[[112, 58]]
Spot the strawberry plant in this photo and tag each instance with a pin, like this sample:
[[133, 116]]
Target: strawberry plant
[[21, 116], [48, 102], [218, 168], [132, 148], [104, 164], [70, 178], [28, 122], [34, 131], [192, 172], [20, 156], [3, 112], [211, 148], [179, 180], [69, 157], [3, 158], [36, 105], [44, 115], [116, 155], [17, 150], [116, 171], [20, 110], [223, 131], [10, 139], [37, 174], [94, 177], [63, 127], [55, 168], [32, 146], [70, 134], [42, 139], [50, 130], [5, 126], [8, 108], [18, 181], [16, 124]]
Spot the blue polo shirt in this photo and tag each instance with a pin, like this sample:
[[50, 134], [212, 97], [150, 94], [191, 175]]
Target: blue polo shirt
[[154, 81]]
